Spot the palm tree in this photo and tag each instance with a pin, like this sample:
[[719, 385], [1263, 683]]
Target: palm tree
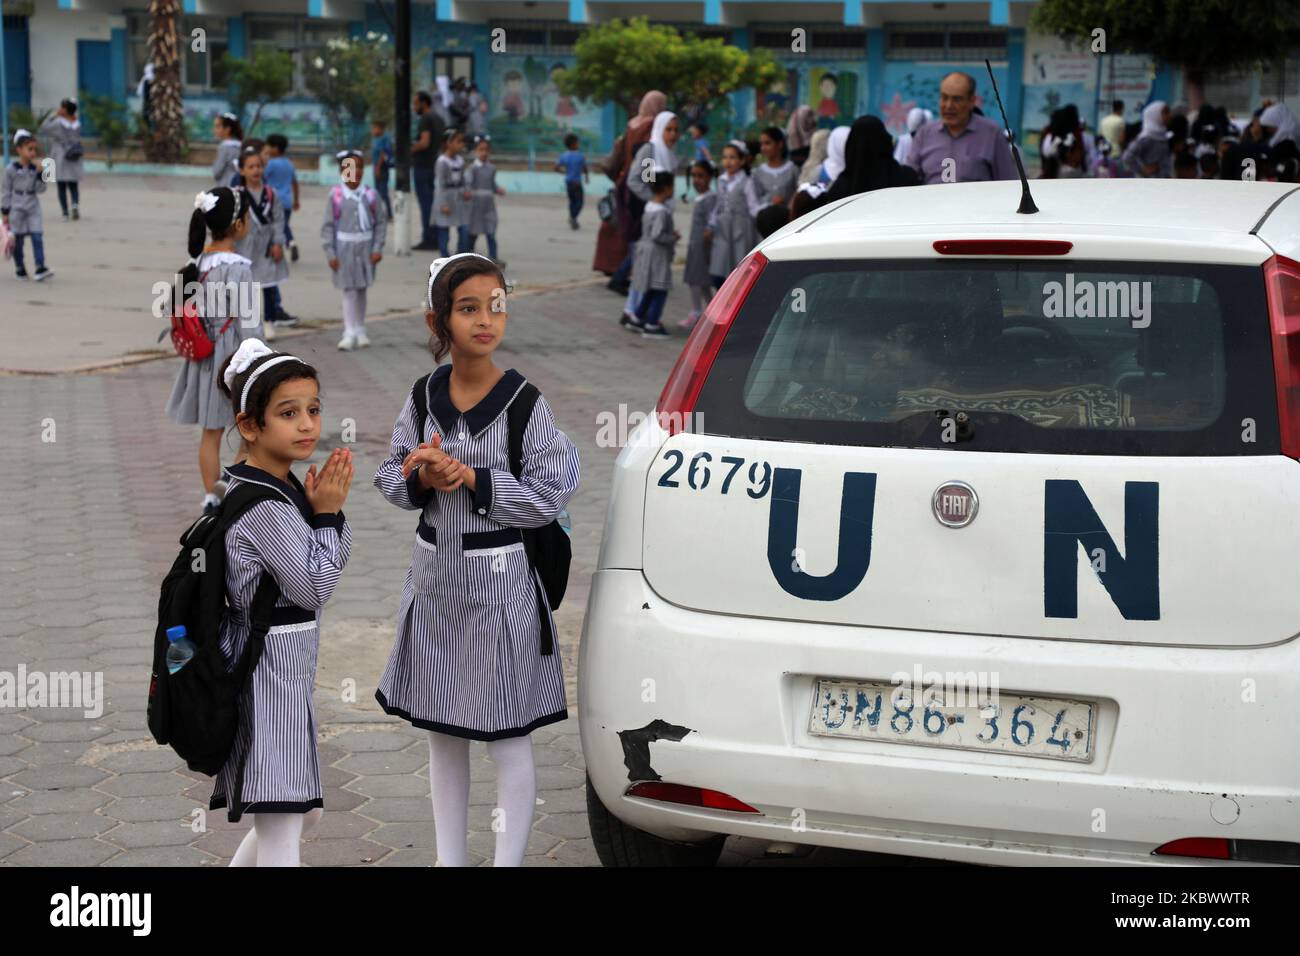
[[166, 143]]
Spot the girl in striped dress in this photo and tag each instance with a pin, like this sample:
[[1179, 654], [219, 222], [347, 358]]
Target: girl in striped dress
[[299, 541], [220, 283], [475, 656]]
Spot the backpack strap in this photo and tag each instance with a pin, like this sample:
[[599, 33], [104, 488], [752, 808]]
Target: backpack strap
[[336, 201], [517, 417], [420, 398]]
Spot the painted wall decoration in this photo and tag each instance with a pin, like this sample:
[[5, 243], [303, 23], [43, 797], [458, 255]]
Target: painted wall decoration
[[835, 89], [1060, 77], [907, 85], [302, 121], [526, 109]]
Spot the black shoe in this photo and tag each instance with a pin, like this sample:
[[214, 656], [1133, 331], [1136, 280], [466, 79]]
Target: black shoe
[[655, 331], [293, 252], [573, 224], [631, 324], [425, 246], [619, 287], [42, 273], [76, 213], [22, 273], [286, 320]]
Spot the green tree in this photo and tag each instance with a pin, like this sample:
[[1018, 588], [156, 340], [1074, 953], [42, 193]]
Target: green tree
[[1201, 36], [353, 79], [267, 77], [620, 61], [167, 141], [107, 117]]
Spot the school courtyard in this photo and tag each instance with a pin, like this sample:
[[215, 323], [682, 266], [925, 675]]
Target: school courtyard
[[97, 486]]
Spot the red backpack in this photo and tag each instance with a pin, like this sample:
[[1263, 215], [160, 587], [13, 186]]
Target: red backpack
[[189, 335]]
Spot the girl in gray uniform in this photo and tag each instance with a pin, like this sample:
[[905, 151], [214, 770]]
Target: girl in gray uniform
[[449, 205], [481, 187], [63, 132], [352, 235], [300, 541], [219, 282], [696, 276], [20, 207], [777, 178], [658, 153], [476, 655], [229, 134], [652, 260], [263, 244], [731, 224]]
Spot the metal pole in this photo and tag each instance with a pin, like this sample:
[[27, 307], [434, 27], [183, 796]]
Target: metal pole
[[402, 120], [4, 89]]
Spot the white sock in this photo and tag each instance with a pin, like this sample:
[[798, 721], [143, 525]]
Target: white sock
[[354, 312], [278, 838], [516, 797], [210, 499], [449, 790]]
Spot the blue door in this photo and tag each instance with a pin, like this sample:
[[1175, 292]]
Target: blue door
[[94, 74], [17, 78]]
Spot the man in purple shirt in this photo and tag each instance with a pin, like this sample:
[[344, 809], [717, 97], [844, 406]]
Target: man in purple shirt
[[960, 147]]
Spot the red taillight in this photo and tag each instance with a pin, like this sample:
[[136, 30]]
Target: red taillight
[[690, 796], [1002, 247], [1211, 848], [677, 400], [1282, 278]]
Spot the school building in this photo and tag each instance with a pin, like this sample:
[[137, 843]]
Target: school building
[[858, 56]]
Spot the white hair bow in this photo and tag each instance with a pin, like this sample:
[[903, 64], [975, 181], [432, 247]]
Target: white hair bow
[[205, 201], [249, 351], [437, 265], [19, 134]]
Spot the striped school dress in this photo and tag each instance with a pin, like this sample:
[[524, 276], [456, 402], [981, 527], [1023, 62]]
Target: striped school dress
[[274, 767], [471, 658]]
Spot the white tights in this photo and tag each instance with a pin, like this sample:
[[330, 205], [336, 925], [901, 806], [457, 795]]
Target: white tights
[[512, 820], [701, 296], [274, 838], [354, 311]]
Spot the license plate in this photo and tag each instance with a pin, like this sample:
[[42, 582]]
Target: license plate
[[1049, 727]]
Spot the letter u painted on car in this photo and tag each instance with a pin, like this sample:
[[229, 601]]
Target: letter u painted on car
[[1132, 581], [857, 509]]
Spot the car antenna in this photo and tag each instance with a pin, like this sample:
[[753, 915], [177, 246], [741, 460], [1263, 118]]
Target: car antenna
[[1026, 201]]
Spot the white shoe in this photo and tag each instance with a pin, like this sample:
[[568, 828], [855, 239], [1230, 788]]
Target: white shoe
[[268, 332], [347, 343], [363, 340]]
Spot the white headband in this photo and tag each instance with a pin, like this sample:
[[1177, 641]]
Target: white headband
[[249, 351], [739, 146], [20, 134], [437, 265]]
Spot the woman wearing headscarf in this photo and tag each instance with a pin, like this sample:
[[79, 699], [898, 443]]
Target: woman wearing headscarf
[[834, 164], [615, 238], [869, 164], [915, 117], [812, 166], [1279, 125], [656, 154], [1149, 155], [799, 134]]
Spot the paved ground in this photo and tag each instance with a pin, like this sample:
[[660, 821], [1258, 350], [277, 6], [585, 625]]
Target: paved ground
[[97, 484]]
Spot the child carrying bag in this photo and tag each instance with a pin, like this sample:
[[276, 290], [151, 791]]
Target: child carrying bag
[[189, 334]]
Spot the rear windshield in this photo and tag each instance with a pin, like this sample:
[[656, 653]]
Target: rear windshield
[[1084, 357]]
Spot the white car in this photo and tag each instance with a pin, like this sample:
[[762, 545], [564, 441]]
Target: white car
[[970, 535]]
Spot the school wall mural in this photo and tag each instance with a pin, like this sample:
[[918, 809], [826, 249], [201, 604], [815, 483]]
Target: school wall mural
[[1056, 78], [907, 85], [835, 89], [526, 108], [303, 121]]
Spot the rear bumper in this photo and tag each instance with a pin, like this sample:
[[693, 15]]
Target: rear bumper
[[1189, 742]]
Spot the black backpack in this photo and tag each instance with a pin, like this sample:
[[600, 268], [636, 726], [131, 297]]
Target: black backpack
[[548, 547], [196, 710]]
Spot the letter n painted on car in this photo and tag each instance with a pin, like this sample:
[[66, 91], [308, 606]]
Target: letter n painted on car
[[857, 508], [1132, 581]]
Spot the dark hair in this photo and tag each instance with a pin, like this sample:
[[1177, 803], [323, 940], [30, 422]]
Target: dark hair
[[1185, 160], [278, 141], [70, 106], [451, 133], [771, 218], [663, 180], [234, 128], [777, 135], [705, 165], [571, 141], [828, 75], [249, 147], [259, 397], [1117, 106], [424, 97], [444, 288], [701, 128], [231, 206], [1209, 164], [375, 122], [744, 157], [22, 141]]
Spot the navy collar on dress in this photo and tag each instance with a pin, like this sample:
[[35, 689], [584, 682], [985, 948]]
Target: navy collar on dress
[[483, 414], [291, 489]]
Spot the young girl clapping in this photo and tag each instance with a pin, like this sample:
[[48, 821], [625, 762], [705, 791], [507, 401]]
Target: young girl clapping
[[475, 656]]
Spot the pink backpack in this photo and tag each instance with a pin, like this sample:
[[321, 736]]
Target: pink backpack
[[336, 200]]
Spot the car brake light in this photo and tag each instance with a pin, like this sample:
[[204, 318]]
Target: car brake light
[[1282, 278], [690, 796], [678, 398], [1211, 848], [1244, 851], [1002, 247]]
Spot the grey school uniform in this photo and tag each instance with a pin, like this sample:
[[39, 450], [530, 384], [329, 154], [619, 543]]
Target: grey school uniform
[[448, 181], [60, 134], [224, 166], [1148, 151], [642, 160], [770, 181], [697, 247], [471, 658], [265, 229], [733, 223], [352, 237], [195, 398], [481, 179], [274, 766], [652, 260], [18, 191]]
